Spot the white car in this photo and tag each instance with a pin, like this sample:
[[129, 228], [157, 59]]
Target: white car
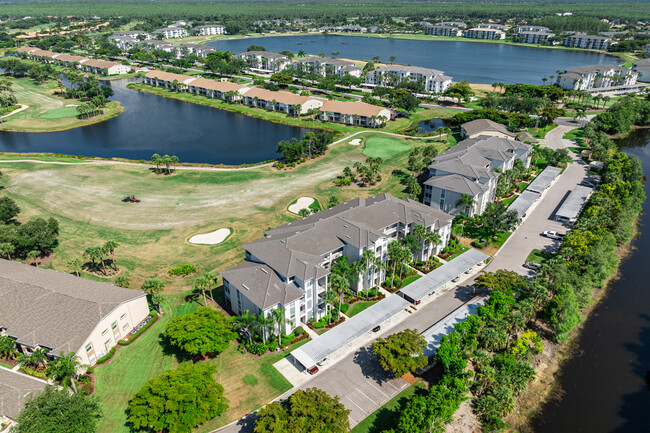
[[552, 234]]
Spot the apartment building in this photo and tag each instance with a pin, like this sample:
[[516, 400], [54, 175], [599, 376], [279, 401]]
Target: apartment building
[[266, 61], [172, 32], [434, 81], [492, 26], [210, 29], [524, 29], [285, 102], [355, 113], [587, 41], [104, 67], [327, 66], [533, 37], [133, 34], [441, 30], [43, 308], [484, 33], [596, 77], [289, 268], [199, 50]]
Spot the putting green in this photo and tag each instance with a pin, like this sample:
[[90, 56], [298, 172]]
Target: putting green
[[384, 147], [59, 113]]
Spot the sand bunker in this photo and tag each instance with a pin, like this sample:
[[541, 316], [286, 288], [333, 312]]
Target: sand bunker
[[355, 142], [301, 203], [212, 238]]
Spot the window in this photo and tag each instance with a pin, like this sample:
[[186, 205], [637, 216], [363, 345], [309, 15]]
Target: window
[[92, 359], [89, 347], [104, 331], [107, 345], [126, 325], [122, 316], [114, 325]]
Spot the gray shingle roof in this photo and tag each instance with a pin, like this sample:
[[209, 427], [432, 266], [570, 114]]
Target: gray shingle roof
[[457, 183], [479, 125], [411, 69], [53, 309], [15, 388]]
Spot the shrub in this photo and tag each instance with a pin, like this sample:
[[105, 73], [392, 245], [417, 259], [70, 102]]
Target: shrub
[[477, 244], [299, 331], [182, 270], [345, 308], [257, 349], [33, 373], [106, 357], [153, 319], [312, 320]]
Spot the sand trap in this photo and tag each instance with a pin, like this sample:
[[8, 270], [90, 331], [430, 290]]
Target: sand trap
[[212, 238], [355, 142], [302, 203]]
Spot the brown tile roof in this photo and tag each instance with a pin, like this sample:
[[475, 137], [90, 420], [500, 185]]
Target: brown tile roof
[[69, 58], [281, 97], [352, 108], [99, 63], [221, 86], [53, 309], [26, 49], [43, 53], [167, 76]]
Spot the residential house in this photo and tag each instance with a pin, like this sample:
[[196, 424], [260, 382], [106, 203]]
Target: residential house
[[532, 37], [289, 268], [355, 113], [327, 66], [104, 67], [217, 89], [43, 56], [470, 168], [124, 42], [132, 34], [434, 81], [199, 50], [484, 33], [285, 102], [267, 61], [172, 32], [596, 77], [69, 60], [43, 308], [489, 128], [524, 29], [587, 41], [15, 389], [160, 45], [167, 79], [453, 24], [210, 29], [440, 30]]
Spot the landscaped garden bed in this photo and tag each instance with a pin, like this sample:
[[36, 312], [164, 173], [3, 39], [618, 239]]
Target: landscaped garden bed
[[426, 267]]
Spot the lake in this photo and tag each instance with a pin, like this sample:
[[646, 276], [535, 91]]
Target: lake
[[485, 63], [606, 385], [153, 124]]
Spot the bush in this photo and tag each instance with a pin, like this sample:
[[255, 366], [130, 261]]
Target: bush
[[182, 270], [106, 357], [345, 308], [153, 319], [257, 349], [33, 373], [299, 331], [477, 244], [312, 320]]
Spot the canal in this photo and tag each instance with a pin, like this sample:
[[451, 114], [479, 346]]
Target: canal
[[605, 386], [153, 124], [485, 63]]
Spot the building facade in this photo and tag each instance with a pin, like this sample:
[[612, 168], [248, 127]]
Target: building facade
[[434, 81], [531, 37], [289, 268], [596, 77], [484, 33], [440, 30], [587, 41], [267, 61], [326, 66], [354, 113], [210, 29], [172, 32]]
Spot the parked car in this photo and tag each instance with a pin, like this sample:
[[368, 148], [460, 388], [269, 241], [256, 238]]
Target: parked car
[[552, 234], [589, 183], [313, 370], [532, 266], [376, 328], [455, 280], [322, 361]]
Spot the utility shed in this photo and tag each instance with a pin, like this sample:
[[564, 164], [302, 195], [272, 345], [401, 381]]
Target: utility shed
[[544, 179], [336, 338], [434, 280], [524, 202], [570, 209]]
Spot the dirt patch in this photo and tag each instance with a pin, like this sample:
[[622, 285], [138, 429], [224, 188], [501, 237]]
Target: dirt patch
[[409, 378]]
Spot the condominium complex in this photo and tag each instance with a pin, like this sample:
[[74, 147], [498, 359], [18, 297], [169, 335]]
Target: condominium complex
[[533, 37], [389, 75], [596, 77], [484, 33], [289, 268], [587, 41], [172, 32], [443, 30], [327, 66], [210, 29], [267, 61]]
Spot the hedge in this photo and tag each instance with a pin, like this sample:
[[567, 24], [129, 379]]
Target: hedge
[[33, 373], [154, 319], [106, 357]]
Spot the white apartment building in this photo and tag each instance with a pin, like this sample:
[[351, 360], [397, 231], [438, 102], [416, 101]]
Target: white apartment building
[[434, 81], [587, 41], [440, 30], [522, 29], [327, 66], [533, 37], [266, 61], [484, 33], [210, 29], [172, 32], [596, 76]]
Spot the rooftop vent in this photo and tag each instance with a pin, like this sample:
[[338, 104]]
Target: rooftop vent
[[245, 287], [264, 270]]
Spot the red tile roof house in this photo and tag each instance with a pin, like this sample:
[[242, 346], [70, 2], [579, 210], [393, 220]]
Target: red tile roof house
[[355, 113], [217, 89], [284, 101], [166, 79]]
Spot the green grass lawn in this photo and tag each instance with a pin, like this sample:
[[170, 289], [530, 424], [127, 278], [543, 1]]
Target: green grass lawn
[[59, 113], [385, 418], [359, 307], [460, 251], [2, 364], [384, 147], [509, 200], [538, 256], [541, 132], [410, 279]]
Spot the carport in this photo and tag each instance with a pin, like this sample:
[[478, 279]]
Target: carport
[[570, 209], [338, 337], [544, 179], [524, 202], [434, 280]]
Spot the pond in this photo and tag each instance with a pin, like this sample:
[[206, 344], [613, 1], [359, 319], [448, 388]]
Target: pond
[[477, 62], [153, 124], [430, 125]]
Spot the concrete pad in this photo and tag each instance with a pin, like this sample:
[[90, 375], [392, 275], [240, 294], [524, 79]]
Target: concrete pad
[[212, 238], [301, 203], [291, 372], [355, 142]]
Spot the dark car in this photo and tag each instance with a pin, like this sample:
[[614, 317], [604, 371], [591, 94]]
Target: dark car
[[532, 266], [376, 328], [313, 370]]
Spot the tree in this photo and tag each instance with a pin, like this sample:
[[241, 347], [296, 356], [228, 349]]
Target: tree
[[402, 352], [153, 285], [279, 317], [243, 324], [7, 347], [76, 264], [339, 284], [110, 247], [122, 281], [64, 369], [304, 212], [58, 411], [502, 281], [262, 324], [206, 331], [311, 410], [430, 413], [330, 298], [460, 90], [156, 159], [9, 210], [177, 400], [497, 218], [7, 249]]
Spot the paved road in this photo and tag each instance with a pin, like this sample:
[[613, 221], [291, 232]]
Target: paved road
[[358, 379]]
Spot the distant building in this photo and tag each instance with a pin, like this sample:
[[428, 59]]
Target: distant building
[[642, 68], [596, 76], [354, 113], [328, 66], [285, 102], [440, 30], [434, 81], [350, 28], [484, 33], [133, 34], [199, 50], [453, 24], [532, 37], [587, 41], [104, 67], [492, 26], [210, 29], [267, 61], [172, 32], [523, 29]]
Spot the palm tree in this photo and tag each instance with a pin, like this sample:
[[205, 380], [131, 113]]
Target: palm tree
[[244, 323], [63, 370], [339, 284], [110, 247], [301, 53], [262, 324], [75, 264], [155, 158], [7, 347], [167, 162], [330, 298], [280, 320], [7, 249], [210, 278], [368, 256], [201, 284], [392, 59], [175, 161], [38, 356]]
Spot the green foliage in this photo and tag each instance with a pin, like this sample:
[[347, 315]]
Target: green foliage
[[154, 319], [627, 111], [106, 357], [299, 331], [182, 270], [513, 121], [311, 410], [502, 280], [401, 353], [206, 331], [58, 411], [178, 400], [122, 281], [33, 372], [63, 369], [430, 413], [153, 285], [9, 210]]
